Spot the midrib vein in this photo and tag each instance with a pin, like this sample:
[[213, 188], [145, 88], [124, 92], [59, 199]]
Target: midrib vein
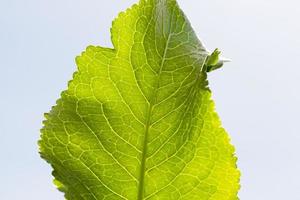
[[148, 121]]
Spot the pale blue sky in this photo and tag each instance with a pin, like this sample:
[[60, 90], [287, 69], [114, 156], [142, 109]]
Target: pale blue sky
[[257, 94]]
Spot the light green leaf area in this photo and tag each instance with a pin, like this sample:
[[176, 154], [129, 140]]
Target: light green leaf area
[[137, 121]]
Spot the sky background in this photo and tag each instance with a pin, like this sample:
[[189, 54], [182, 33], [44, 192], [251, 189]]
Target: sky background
[[257, 95]]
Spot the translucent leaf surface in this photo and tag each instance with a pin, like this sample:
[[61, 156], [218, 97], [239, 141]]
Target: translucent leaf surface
[[137, 121]]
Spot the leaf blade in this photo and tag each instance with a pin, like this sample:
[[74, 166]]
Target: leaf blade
[[138, 112]]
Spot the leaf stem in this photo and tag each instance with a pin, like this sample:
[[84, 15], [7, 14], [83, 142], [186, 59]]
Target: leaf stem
[[144, 154]]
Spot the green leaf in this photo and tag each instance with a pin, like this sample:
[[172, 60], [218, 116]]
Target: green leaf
[[137, 121]]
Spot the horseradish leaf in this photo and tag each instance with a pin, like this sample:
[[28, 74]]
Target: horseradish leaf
[[137, 121]]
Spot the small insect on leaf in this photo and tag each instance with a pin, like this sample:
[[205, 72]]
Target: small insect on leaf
[[213, 61]]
